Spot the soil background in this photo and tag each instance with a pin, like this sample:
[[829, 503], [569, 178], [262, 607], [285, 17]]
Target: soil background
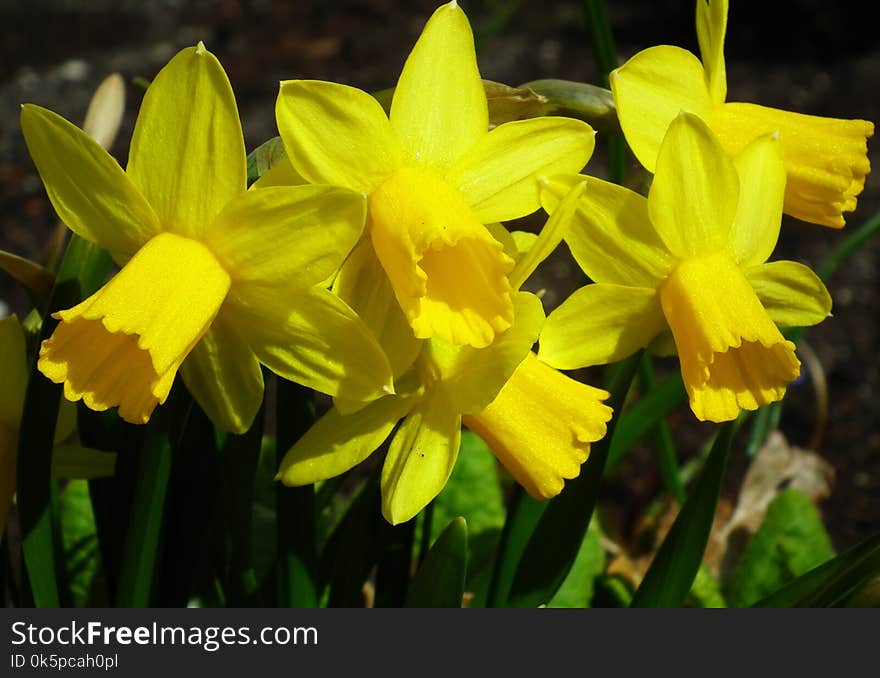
[[809, 56]]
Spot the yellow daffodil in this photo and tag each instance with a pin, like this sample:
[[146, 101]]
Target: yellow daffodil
[[68, 460], [539, 422], [434, 176], [214, 279], [691, 259], [825, 158]]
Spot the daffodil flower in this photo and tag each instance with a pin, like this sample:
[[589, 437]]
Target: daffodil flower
[[434, 176], [214, 279], [538, 422], [825, 158], [68, 460], [691, 259]]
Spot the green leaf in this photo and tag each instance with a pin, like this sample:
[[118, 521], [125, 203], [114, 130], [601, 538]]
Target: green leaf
[[672, 572], [82, 556], [240, 457], [76, 461], [473, 492], [556, 539], [295, 506], [354, 548], [143, 537], [706, 590], [834, 582], [577, 589], [790, 541], [81, 272], [640, 419], [440, 580]]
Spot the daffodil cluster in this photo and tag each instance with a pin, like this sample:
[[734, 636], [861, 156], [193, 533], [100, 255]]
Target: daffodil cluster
[[372, 264]]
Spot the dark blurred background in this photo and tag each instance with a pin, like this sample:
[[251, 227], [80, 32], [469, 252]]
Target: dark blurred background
[[805, 55]]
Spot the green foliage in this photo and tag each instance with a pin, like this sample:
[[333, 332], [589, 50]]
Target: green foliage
[[82, 557], [441, 578], [790, 541], [577, 588]]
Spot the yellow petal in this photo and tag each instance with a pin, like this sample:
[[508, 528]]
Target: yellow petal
[[826, 159], [336, 442], [472, 377], [599, 324], [187, 152], [420, 458], [498, 176], [693, 198], [123, 345], [336, 134], [551, 235], [281, 174], [447, 271], [759, 209], [711, 27], [439, 108], [315, 339], [541, 425], [791, 293], [296, 235], [14, 368], [8, 466], [649, 92], [224, 376], [363, 285], [611, 237], [732, 355], [87, 187]]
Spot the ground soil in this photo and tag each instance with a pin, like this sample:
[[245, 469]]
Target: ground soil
[[805, 55]]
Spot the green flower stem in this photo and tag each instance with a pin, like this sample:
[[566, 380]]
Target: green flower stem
[[667, 457], [81, 273], [296, 515], [606, 57]]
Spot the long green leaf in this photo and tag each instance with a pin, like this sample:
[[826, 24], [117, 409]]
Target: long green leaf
[[143, 537], [440, 580], [82, 271], [639, 420], [354, 548], [832, 583], [240, 456], [522, 518], [672, 572], [554, 544], [295, 506], [667, 457]]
